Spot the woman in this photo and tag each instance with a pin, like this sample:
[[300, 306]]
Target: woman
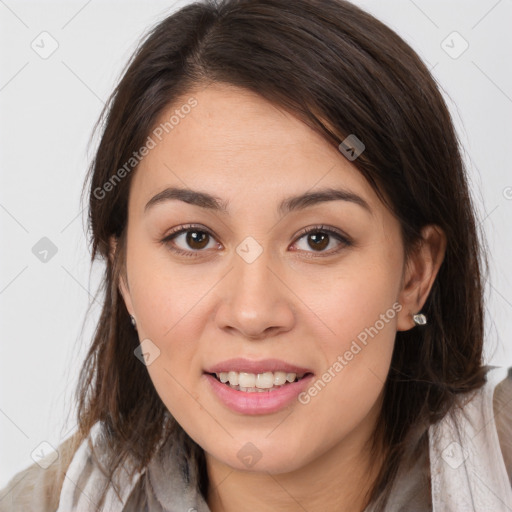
[[293, 314]]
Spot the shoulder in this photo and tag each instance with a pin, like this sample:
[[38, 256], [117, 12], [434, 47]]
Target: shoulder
[[502, 408], [37, 488], [487, 423], [469, 458]]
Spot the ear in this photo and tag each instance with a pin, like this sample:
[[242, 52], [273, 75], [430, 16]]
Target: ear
[[420, 273], [123, 283]]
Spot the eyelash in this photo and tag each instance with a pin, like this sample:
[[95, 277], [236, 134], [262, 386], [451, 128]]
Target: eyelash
[[346, 242]]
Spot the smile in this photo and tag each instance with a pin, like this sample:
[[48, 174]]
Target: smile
[[257, 382]]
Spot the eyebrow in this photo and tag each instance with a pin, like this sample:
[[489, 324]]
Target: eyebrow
[[288, 205]]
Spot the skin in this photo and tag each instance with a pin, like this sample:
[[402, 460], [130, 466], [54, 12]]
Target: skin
[[294, 302]]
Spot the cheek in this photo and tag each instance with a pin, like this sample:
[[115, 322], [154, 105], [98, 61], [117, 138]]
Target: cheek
[[357, 359], [361, 314], [169, 303], [359, 295], [166, 296]]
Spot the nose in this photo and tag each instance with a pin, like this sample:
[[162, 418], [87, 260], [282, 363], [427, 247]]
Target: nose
[[255, 300]]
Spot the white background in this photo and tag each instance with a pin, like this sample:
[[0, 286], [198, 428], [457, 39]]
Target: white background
[[47, 110]]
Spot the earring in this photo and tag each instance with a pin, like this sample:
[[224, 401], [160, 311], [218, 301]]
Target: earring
[[419, 319], [132, 318]]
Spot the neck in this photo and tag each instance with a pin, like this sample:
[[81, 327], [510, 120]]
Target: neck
[[339, 479]]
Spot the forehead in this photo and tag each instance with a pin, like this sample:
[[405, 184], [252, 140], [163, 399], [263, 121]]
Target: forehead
[[234, 141]]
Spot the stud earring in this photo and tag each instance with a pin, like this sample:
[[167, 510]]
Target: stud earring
[[132, 318], [419, 319]]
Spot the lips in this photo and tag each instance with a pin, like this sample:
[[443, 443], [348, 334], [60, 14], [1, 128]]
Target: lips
[[254, 401]]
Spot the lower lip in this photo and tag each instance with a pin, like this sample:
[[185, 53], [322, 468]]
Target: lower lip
[[265, 402]]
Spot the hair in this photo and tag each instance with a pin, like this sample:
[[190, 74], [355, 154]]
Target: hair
[[341, 71]]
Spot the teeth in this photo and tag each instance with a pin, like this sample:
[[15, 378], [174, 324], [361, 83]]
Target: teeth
[[265, 380], [246, 380], [252, 390], [279, 378], [250, 381], [233, 378]]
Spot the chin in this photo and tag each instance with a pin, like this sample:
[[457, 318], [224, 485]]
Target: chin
[[253, 457]]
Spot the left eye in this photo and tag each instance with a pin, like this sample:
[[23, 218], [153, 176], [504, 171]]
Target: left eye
[[318, 238]]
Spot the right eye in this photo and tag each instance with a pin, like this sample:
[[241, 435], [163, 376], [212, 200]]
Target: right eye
[[194, 239]]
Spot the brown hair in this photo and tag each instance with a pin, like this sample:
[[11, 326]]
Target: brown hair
[[342, 72]]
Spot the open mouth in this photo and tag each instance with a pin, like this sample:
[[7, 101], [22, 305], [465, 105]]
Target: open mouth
[[258, 383]]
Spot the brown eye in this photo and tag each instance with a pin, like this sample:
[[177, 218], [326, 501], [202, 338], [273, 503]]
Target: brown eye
[[319, 238], [188, 241], [196, 239]]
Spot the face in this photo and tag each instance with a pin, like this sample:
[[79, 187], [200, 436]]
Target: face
[[316, 286]]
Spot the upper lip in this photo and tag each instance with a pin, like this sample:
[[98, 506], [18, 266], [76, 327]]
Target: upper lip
[[239, 364]]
